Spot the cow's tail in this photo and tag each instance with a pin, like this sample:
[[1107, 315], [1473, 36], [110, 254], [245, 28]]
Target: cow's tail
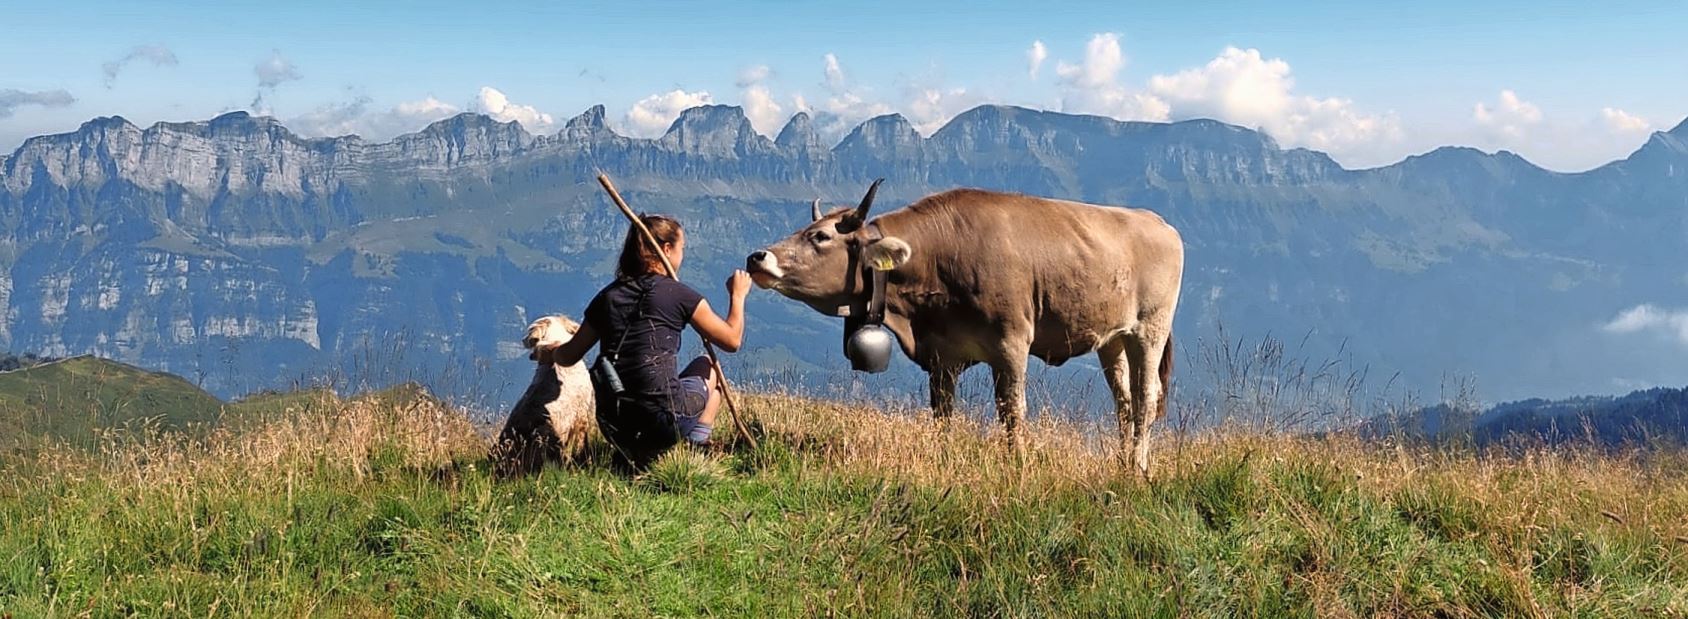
[[1165, 379]]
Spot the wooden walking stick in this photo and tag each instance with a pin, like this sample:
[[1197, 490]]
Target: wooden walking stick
[[726, 394]]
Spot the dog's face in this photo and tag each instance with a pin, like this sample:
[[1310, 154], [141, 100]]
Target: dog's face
[[556, 329]]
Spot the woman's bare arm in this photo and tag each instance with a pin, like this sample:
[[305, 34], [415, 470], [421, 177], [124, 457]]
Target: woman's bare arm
[[572, 351], [728, 333]]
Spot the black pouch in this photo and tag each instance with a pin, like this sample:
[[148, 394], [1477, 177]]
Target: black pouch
[[603, 373]]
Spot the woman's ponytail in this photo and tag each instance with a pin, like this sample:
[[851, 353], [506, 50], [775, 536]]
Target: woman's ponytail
[[637, 256]]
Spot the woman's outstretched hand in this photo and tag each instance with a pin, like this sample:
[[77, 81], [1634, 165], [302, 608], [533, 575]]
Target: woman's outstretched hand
[[729, 333], [738, 284]]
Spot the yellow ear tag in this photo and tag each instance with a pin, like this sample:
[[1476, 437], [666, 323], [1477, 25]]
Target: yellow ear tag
[[883, 263]]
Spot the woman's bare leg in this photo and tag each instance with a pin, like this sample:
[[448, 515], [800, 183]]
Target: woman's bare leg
[[702, 367], [714, 404]]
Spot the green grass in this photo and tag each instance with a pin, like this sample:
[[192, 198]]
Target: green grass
[[370, 509], [74, 399]]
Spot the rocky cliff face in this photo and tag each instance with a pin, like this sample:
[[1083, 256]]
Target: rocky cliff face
[[229, 248]]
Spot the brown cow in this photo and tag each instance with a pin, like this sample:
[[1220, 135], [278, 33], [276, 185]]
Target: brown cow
[[985, 277]]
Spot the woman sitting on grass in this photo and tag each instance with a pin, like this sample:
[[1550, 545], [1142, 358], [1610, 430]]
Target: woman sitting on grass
[[636, 320]]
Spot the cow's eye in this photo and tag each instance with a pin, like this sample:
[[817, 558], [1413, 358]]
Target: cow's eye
[[819, 236]]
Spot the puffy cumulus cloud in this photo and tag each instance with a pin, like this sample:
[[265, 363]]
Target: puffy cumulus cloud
[[157, 55], [1103, 60], [357, 117], [1240, 86], [494, 103], [834, 73], [1035, 57], [1624, 122], [1510, 117], [652, 115], [12, 99], [765, 113], [1556, 141], [1647, 318], [1092, 86]]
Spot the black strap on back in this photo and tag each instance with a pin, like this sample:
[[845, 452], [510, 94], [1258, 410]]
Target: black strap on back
[[626, 324]]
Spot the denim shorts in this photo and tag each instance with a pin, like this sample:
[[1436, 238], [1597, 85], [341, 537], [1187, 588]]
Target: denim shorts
[[693, 397]]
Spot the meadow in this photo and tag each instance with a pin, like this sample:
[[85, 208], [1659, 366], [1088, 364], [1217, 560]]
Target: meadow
[[383, 505]]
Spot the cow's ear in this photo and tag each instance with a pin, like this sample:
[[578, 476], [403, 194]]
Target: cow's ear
[[887, 253]]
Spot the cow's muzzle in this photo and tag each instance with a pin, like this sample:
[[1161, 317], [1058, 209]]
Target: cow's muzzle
[[764, 268]]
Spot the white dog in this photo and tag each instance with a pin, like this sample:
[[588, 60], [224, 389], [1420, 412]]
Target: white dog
[[555, 415]]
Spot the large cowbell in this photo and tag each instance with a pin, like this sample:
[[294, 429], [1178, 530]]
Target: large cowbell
[[869, 348]]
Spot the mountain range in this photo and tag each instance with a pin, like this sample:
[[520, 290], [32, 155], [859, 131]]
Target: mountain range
[[243, 256], [1650, 417]]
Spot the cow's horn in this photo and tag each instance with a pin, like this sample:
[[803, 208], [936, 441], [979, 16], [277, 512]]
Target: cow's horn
[[867, 201], [815, 209]]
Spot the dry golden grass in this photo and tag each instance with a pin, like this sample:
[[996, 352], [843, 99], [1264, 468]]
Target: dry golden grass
[[1645, 490], [844, 505]]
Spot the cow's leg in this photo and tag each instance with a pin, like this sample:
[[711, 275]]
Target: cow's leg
[[1008, 371], [1116, 368], [1146, 395], [941, 380]]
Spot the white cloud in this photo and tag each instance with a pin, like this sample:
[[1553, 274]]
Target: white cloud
[[753, 75], [275, 70], [928, 109], [12, 99], [272, 72], [652, 115], [494, 103], [1555, 141], [354, 117], [1649, 318], [845, 106], [158, 55], [1240, 86], [1103, 60], [428, 107], [1510, 118], [1624, 122], [765, 114], [834, 73], [1035, 57], [1092, 86]]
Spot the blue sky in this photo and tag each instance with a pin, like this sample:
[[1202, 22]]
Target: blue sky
[[1568, 85]]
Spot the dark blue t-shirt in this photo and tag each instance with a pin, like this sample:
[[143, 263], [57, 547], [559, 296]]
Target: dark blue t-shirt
[[649, 311]]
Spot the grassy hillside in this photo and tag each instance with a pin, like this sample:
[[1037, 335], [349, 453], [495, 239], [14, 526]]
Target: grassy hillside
[[71, 399], [77, 400], [376, 508]]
